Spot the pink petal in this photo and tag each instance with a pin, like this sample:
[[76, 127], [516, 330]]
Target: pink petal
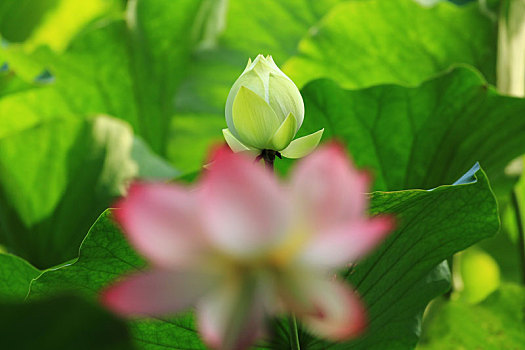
[[160, 221], [243, 205], [327, 190], [156, 292], [231, 318], [346, 243], [339, 316]]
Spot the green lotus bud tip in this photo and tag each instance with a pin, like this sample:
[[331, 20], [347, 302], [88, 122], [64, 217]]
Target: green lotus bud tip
[[264, 111]]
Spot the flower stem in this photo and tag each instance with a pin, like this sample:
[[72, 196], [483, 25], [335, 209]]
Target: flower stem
[[521, 233], [294, 333], [268, 156]]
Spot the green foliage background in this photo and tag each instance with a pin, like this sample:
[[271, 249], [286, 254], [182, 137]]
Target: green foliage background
[[95, 93]]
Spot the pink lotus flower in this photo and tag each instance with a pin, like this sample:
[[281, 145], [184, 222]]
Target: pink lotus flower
[[241, 247]]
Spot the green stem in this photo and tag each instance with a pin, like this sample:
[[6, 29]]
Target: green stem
[[521, 233], [269, 158], [294, 333]]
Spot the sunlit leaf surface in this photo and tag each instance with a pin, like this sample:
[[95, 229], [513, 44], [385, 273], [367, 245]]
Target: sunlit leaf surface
[[364, 43], [425, 136]]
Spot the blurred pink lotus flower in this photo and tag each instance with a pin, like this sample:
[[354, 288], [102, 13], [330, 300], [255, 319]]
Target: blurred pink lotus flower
[[242, 247]]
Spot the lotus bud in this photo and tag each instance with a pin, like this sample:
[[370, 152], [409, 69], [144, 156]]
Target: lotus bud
[[264, 111]]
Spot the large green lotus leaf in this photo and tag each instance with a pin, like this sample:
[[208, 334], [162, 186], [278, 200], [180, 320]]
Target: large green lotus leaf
[[496, 323], [15, 276], [21, 103], [366, 43], [55, 180], [396, 282], [392, 291], [104, 256], [43, 179], [421, 137], [61, 323], [404, 320], [128, 68], [56, 323]]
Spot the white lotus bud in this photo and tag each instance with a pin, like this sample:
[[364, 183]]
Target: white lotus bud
[[264, 111]]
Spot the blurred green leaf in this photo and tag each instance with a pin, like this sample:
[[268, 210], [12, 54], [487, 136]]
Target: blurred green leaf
[[50, 23], [18, 18], [246, 34], [479, 274], [15, 276], [128, 68], [150, 165], [24, 105], [61, 323], [432, 225], [195, 135], [49, 157], [10, 83], [55, 180], [68, 18], [496, 323], [505, 252], [421, 137], [360, 44]]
